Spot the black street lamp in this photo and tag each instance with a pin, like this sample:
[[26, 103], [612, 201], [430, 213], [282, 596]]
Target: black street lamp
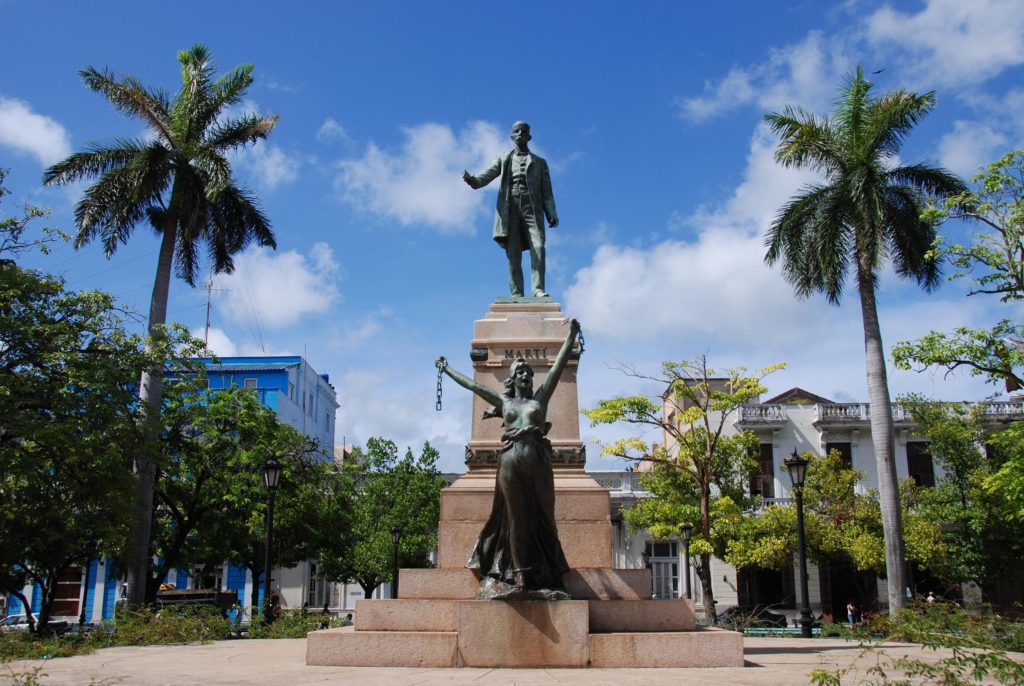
[[686, 530], [271, 479], [797, 467], [396, 536]]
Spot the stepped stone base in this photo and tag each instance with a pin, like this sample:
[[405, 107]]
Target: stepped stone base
[[382, 648], [703, 648], [488, 633]]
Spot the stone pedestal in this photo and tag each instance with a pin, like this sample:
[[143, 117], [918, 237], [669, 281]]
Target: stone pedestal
[[611, 621], [534, 330]]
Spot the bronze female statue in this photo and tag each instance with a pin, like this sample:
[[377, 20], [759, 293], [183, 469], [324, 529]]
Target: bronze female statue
[[518, 554]]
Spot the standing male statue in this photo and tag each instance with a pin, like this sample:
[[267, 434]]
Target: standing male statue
[[524, 200]]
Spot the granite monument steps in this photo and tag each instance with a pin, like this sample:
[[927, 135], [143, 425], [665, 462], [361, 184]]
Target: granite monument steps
[[611, 620]]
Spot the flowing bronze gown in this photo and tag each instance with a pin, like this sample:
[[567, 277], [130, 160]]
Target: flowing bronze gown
[[520, 535]]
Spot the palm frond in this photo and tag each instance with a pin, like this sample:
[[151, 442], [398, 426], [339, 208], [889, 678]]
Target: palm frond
[[131, 97], [910, 239], [193, 100], [240, 131], [806, 141], [810, 238], [95, 160], [107, 210], [237, 221], [933, 180], [225, 92], [851, 105], [893, 116]]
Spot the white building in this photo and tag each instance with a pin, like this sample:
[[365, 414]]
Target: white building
[[794, 420]]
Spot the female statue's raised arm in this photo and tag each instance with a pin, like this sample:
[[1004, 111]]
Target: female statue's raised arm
[[543, 393], [487, 394]]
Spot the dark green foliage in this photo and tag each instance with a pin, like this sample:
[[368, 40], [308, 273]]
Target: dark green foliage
[[69, 421], [294, 624], [388, 491]]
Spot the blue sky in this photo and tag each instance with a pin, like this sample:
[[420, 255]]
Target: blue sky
[[649, 116]]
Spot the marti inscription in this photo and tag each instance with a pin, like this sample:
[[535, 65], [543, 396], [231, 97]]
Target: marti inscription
[[526, 353]]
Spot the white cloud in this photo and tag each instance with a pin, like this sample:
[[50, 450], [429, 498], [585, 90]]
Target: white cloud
[[968, 146], [799, 74], [421, 183], [716, 288], [32, 133], [269, 164], [378, 402], [276, 290], [999, 126], [218, 341], [951, 42], [331, 130]]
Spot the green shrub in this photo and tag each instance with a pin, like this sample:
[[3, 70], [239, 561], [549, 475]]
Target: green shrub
[[22, 645], [292, 624], [187, 624]]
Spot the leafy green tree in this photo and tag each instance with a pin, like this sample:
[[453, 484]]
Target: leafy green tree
[[388, 491], [700, 475], [980, 524], [995, 261], [69, 421], [179, 180], [843, 528], [866, 210], [235, 437]]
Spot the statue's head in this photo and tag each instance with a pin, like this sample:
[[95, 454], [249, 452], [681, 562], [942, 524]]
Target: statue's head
[[520, 380], [521, 131]]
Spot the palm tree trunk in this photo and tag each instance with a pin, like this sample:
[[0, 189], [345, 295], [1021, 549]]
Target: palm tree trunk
[[882, 439], [151, 388]]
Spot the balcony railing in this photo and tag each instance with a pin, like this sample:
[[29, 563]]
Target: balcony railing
[[622, 482], [761, 414], [828, 413]]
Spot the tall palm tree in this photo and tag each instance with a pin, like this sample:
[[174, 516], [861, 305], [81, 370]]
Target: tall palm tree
[[867, 209], [179, 179]]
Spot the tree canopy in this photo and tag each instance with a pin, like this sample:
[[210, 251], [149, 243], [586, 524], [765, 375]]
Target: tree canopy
[[69, 419], [700, 471], [389, 491]]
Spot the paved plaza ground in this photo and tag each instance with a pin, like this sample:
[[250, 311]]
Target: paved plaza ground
[[769, 662]]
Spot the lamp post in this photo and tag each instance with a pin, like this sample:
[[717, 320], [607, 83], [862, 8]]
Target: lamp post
[[396, 536], [797, 468], [686, 530], [271, 479]]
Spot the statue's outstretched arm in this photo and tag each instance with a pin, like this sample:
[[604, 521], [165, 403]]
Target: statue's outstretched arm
[[548, 387], [487, 394], [485, 177]]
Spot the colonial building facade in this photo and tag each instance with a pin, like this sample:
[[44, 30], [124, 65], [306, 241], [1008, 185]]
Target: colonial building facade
[[802, 421]]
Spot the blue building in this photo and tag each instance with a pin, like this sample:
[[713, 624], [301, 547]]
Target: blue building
[[301, 398]]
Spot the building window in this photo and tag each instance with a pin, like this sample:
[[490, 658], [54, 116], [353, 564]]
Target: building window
[[665, 569], [845, 450], [291, 391], [250, 382], [762, 483], [919, 463]]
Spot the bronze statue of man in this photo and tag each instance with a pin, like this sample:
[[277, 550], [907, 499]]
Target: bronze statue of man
[[524, 200]]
